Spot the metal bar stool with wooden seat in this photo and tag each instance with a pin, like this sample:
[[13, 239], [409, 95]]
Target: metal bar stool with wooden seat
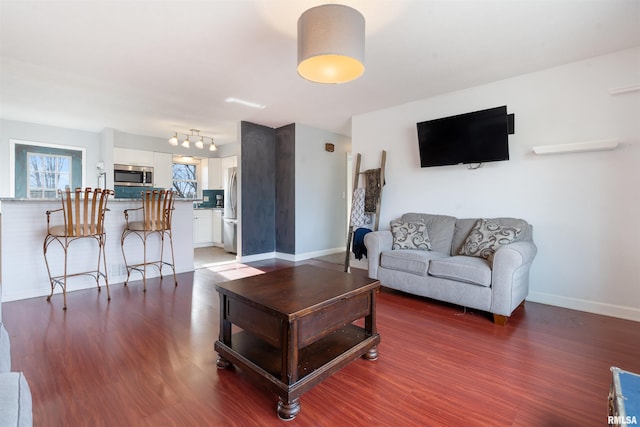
[[157, 209], [83, 215]]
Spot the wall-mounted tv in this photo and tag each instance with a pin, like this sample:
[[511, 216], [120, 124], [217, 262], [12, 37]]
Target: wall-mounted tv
[[477, 137]]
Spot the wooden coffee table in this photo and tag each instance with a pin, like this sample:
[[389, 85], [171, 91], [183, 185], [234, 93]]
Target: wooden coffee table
[[296, 328]]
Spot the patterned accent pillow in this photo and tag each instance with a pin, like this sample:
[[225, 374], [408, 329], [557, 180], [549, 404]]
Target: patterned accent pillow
[[486, 237], [410, 235]]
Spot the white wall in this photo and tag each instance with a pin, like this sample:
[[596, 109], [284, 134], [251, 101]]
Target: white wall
[[11, 129], [584, 207], [106, 155], [149, 143], [320, 201]]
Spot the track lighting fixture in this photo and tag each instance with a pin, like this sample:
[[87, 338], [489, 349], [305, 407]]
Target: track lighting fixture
[[199, 140]]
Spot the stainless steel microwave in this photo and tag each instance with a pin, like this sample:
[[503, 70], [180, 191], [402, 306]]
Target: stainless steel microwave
[[133, 176]]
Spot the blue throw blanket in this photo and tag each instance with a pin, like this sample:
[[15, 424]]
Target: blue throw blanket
[[359, 249]]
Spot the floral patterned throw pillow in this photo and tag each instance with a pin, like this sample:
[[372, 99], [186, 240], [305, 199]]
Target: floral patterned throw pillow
[[410, 235], [486, 237]]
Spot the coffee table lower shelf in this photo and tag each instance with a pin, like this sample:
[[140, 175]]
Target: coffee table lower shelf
[[316, 362]]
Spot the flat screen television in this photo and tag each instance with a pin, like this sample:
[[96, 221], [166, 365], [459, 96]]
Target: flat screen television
[[477, 137]]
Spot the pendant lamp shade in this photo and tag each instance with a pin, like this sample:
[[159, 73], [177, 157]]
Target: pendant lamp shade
[[331, 44]]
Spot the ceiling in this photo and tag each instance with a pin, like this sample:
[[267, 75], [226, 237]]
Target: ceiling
[[154, 67]]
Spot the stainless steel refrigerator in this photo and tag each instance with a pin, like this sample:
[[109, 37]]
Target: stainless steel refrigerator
[[230, 218]]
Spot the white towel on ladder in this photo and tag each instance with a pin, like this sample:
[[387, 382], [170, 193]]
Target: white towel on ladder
[[358, 218]]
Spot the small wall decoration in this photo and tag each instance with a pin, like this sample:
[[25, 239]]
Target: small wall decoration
[[329, 147]]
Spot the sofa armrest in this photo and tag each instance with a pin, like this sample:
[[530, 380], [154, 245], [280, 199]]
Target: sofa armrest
[[5, 350], [510, 276], [377, 242], [16, 406]]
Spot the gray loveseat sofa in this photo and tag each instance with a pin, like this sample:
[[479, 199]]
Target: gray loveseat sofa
[[15, 396], [473, 262]]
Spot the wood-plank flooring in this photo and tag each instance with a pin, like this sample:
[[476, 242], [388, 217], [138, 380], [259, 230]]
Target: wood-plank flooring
[[148, 360], [211, 256]]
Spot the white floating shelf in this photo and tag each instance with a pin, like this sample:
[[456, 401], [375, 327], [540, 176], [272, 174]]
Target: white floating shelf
[[576, 147]]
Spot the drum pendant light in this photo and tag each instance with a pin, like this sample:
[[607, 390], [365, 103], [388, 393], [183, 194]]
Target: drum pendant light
[[331, 44]]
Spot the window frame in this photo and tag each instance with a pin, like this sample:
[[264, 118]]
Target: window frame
[[42, 190], [12, 159], [195, 180]]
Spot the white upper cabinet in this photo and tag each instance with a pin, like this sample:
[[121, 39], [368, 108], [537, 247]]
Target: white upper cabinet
[[162, 170], [128, 156], [215, 174], [162, 163], [229, 162]]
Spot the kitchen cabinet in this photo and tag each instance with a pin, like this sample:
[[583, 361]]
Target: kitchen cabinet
[[217, 227], [202, 227], [128, 156], [215, 174], [229, 162], [163, 170]]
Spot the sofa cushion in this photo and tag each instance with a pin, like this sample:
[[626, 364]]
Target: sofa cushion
[[486, 237], [463, 269], [465, 225], [439, 227], [409, 260], [410, 235]]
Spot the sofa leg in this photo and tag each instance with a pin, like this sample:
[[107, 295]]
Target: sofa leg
[[499, 319]]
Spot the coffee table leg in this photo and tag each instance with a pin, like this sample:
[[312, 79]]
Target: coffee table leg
[[223, 363], [288, 411], [371, 354]]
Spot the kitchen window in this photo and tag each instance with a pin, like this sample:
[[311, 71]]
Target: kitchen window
[[47, 174], [38, 170], [185, 180]]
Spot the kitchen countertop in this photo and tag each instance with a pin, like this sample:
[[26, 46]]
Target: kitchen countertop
[[111, 199]]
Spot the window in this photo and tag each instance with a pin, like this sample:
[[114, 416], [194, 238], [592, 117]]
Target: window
[[47, 174], [37, 170], [185, 180]]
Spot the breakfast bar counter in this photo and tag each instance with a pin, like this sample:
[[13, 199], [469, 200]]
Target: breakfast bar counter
[[23, 227]]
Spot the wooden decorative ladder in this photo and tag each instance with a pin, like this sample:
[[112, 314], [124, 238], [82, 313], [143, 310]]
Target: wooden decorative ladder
[[376, 217]]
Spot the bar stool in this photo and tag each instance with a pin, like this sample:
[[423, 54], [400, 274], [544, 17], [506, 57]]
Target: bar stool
[[156, 210], [83, 216]]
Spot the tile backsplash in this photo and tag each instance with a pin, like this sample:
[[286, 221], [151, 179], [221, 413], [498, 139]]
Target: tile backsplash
[[209, 198], [123, 192]]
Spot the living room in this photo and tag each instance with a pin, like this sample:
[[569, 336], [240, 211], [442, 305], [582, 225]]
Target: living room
[[568, 197], [148, 359]]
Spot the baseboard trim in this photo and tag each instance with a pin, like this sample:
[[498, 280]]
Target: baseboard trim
[[595, 307], [308, 255], [257, 257], [290, 257]]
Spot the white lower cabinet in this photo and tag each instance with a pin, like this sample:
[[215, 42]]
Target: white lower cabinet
[[217, 227], [202, 227]]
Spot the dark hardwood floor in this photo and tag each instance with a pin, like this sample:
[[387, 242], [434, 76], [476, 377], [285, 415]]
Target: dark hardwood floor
[[148, 360]]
